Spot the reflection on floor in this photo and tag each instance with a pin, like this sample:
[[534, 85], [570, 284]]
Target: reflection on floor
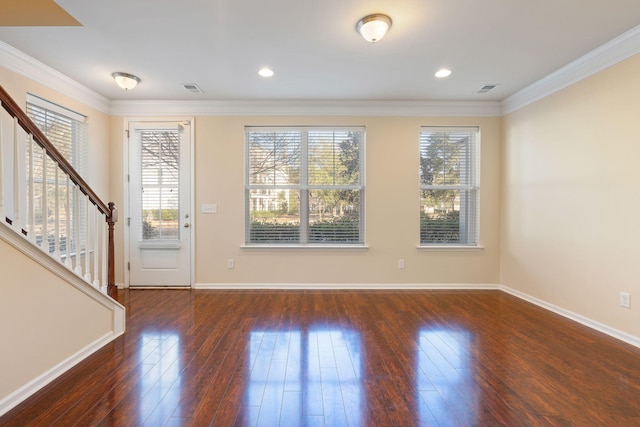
[[343, 358]]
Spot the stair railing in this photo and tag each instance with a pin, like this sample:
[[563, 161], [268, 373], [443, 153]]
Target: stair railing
[[44, 199]]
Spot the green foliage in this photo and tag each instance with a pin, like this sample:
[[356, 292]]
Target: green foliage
[[148, 230], [440, 228], [339, 230]]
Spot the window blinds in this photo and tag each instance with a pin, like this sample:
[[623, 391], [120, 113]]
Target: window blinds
[[304, 185], [449, 185]]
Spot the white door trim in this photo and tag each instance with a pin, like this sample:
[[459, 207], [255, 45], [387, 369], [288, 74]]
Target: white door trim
[[127, 209]]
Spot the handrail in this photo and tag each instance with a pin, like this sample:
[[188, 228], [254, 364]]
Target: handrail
[[27, 124], [109, 210]]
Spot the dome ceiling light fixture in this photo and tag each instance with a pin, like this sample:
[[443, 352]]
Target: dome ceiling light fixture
[[373, 27], [125, 80]]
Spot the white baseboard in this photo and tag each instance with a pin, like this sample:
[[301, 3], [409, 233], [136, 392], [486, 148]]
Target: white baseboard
[[600, 327], [346, 286], [15, 398]]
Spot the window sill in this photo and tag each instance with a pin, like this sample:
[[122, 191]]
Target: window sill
[[346, 248], [450, 248]]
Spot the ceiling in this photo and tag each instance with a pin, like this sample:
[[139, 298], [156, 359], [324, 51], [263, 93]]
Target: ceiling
[[313, 45]]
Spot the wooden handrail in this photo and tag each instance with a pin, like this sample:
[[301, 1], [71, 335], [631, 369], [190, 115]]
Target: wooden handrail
[[108, 210]]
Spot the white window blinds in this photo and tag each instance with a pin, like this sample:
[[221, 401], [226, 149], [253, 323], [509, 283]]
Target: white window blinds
[[449, 186], [304, 185], [68, 132], [160, 178]]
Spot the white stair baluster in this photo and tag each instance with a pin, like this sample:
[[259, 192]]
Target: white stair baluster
[[76, 229], [87, 253], [16, 222], [45, 202], [56, 240], [31, 233], [68, 238], [2, 212]]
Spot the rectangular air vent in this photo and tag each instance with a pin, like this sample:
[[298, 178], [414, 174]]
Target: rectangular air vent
[[486, 88], [192, 87]]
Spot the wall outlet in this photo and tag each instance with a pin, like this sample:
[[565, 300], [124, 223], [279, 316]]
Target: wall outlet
[[625, 300], [400, 263], [230, 263]]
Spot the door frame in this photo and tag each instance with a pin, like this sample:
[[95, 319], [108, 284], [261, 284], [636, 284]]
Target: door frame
[[126, 195]]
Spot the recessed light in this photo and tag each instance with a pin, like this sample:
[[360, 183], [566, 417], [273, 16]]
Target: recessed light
[[265, 72], [442, 73]]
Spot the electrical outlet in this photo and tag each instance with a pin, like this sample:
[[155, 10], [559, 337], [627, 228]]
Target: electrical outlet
[[230, 263], [400, 263], [625, 300]]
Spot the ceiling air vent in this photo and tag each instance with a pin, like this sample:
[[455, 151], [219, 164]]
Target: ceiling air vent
[[486, 88], [192, 87]]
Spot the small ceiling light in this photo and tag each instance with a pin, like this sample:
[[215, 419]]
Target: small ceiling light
[[266, 72], [125, 80], [373, 27], [442, 73]]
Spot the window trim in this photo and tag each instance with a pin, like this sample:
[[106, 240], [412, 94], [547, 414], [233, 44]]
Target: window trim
[[304, 187]]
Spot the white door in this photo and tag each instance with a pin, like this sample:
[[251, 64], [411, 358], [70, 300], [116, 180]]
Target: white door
[[159, 204]]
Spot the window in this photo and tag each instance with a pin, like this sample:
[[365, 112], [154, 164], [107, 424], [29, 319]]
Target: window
[[67, 131], [449, 186], [304, 186]]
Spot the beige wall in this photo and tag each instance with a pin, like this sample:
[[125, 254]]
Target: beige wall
[[570, 197], [99, 163], [392, 217], [43, 319]]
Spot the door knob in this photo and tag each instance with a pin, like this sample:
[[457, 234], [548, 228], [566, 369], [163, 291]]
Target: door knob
[[186, 225]]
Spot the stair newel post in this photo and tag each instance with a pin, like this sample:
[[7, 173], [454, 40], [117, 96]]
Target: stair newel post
[[112, 218]]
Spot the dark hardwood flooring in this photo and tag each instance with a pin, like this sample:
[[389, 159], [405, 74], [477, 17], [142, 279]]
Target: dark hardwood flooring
[[343, 358]]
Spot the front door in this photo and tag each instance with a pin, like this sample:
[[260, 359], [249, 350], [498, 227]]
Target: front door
[[159, 204]]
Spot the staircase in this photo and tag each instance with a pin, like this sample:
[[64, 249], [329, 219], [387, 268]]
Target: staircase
[[57, 265]]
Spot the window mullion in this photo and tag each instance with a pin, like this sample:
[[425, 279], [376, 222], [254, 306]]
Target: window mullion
[[304, 188]]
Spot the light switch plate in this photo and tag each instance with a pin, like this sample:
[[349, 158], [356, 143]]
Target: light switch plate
[[209, 209]]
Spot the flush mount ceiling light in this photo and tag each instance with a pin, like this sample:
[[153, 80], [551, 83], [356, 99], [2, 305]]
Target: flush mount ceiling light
[[125, 80], [442, 73], [373, 27], [265, 72]]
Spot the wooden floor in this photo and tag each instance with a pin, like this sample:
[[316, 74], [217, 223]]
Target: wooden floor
[[343, 358]]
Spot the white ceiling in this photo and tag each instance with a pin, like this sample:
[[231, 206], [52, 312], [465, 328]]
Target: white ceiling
[[315, 50]]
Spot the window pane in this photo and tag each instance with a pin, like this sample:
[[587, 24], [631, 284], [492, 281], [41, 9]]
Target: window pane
[[334, 216], [444, 158], [334, 158], [274, 158], [304, 185], [274, 216], [160, 159], [449, 186]]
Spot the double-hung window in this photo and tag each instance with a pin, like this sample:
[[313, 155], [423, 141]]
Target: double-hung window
[[67, 131], [304, 186], [449, 186]]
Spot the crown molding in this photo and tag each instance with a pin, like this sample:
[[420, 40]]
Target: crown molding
[[608, 54], [620, 48], [21, 63], [305, 108]]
